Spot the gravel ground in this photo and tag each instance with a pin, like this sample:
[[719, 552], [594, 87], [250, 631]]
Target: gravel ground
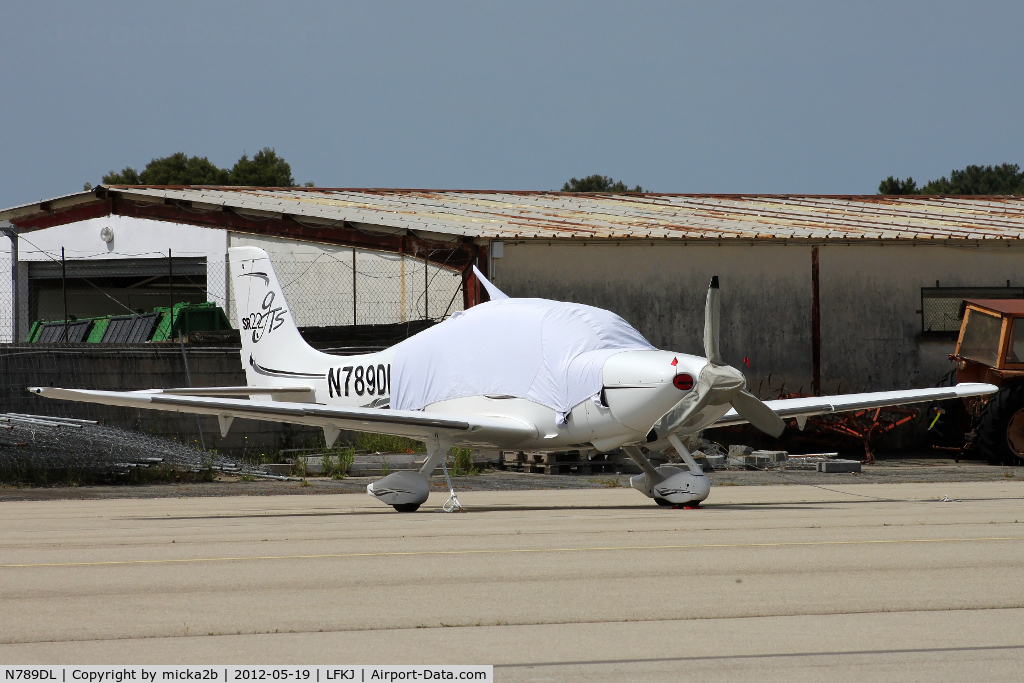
[[903, 470], [43, 443]]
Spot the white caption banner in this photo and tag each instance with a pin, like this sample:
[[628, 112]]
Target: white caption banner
[[245, 674]]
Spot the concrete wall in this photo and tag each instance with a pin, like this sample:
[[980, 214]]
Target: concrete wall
[[133, 238], [870, 295], [139, 367], [661, 291]]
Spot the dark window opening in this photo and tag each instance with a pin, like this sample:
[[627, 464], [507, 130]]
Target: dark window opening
[[941, 306], [113, 287], [981, 337], [1015, 349]]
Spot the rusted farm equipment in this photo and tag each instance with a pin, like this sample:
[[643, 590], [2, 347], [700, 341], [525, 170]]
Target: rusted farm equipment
[[862, 425], [990, 349]]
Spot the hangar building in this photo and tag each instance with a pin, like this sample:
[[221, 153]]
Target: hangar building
[[820, 293]]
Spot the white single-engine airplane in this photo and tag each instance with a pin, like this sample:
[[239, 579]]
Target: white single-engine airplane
[[509, 374]]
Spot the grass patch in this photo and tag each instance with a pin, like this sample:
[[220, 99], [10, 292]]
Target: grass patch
[[384, 443], [461, 460], [609, 483], [337, 464]]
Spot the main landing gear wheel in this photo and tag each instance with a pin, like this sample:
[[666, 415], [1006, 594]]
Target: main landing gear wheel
[[662, 502], [406, 507], [1001, 428]]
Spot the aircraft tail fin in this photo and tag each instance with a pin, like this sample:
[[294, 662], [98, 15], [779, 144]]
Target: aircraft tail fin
[[273, 351]]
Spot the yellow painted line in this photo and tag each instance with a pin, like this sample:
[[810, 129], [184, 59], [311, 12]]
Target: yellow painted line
[[411, 553]]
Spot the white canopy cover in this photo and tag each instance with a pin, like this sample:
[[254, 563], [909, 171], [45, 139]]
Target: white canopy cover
[[550, 352]]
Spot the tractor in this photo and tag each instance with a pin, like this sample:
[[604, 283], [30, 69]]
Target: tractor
[[990, 349]]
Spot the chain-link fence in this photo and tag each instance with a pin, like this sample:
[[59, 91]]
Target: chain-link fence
[[383, 289], [6, 299], [354, 288], [940, 306]]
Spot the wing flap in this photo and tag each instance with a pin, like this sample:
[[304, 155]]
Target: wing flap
[[235, 391], [823, 405]]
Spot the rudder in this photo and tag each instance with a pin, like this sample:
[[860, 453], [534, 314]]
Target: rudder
[[273, 351]]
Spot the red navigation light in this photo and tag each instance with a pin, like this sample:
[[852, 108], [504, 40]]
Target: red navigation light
[[683, 382]]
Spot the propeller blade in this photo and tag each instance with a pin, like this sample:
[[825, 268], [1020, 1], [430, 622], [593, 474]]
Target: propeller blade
[[712, 321], [719, 383], [754, 411]]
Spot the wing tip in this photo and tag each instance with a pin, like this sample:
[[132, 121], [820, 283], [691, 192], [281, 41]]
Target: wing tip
[[975, 389]]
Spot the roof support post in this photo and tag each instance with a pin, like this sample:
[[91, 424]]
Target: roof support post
[[815, 325], [471, 289], [12, 233], [170, 295], [468, 288], [64, 291]]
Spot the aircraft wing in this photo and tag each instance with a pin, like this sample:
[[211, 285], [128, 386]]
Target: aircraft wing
[[822, 405], [469, 429]]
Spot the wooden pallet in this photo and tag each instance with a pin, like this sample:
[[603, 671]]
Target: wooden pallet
[[561, 462]]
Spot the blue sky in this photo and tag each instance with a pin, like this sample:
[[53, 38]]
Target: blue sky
[[802, 97]]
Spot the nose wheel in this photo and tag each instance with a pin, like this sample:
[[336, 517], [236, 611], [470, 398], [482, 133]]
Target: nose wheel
[[692, 505], [406, 507]]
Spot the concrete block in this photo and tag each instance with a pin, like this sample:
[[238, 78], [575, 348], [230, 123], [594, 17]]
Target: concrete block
[[774, 456], [834, 466], [755, 461], [630, 467], [739, 451], [716, 461], [314, 464]]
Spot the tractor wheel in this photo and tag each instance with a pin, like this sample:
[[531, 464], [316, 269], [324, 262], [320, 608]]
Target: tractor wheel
[[1001, 428]]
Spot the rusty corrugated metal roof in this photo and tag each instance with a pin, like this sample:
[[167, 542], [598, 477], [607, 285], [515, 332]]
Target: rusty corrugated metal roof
[[511, 215]]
